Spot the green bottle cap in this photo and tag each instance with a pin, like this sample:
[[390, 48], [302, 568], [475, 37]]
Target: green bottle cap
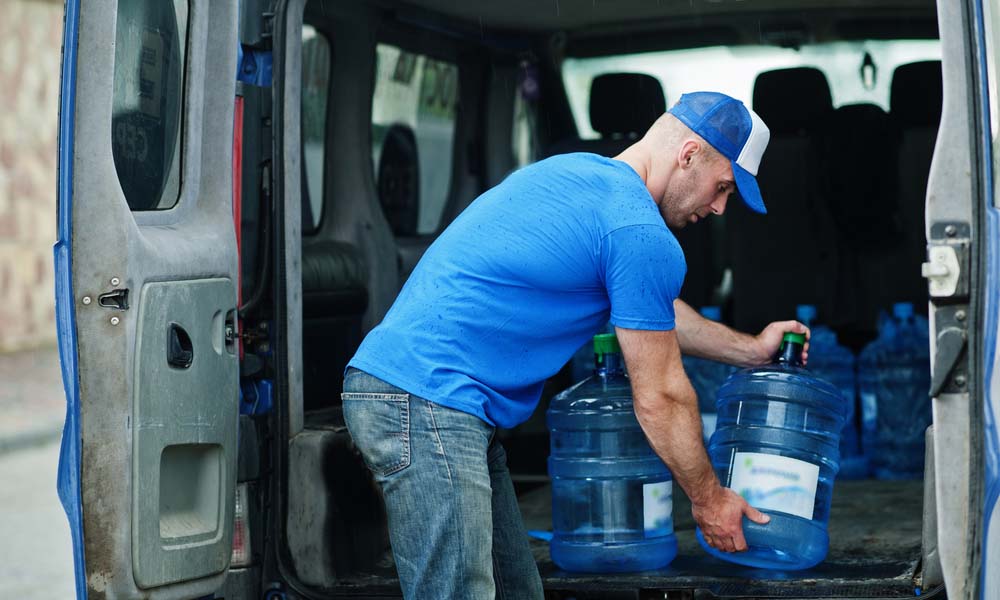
[[605, 343], [795, 338]]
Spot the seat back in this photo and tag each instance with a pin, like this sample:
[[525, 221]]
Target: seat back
[[860, 176], [334, 299], [786, 257], [622, 108], [889, 271]]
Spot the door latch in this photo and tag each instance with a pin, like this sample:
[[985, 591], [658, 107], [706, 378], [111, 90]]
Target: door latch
[[115, 299], [942, 270], [947, 266]]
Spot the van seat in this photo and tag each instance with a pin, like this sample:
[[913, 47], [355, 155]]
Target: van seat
[[896, 159], [334, 298], [864, 199], [622, 108], [915, 104], [788, 256]]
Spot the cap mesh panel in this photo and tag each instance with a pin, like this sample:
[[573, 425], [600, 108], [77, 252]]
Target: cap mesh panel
[[719, 119]]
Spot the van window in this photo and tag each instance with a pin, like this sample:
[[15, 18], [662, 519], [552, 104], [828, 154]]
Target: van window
[[413, 132], [315, 93], [524, 140], [146, 120], [857, 71]]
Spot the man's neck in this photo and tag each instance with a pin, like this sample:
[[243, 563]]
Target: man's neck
[[640, 159]]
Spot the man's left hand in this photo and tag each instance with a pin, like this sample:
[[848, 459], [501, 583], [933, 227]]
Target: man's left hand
[[768, 342]]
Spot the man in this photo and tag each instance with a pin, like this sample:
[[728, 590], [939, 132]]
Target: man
[[521, 279]]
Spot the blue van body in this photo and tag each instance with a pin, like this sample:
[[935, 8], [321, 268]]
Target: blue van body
[[987, 385]]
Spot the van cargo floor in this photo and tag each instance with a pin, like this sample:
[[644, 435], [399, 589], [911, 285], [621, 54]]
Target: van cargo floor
[[875, 539]]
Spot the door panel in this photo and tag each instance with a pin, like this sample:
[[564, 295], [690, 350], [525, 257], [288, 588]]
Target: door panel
[[954, 237], [990, 566], [147, 266], [182, 426]]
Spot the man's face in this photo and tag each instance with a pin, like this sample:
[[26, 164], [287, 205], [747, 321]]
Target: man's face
[[700, 190]]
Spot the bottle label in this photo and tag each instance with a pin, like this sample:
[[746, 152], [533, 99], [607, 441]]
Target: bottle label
[[658, 508], [772, 482], [869, 411], [708, 422]]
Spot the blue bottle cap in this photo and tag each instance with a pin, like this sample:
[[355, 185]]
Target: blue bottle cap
[[711, 312], [805, 313], [902, 310]]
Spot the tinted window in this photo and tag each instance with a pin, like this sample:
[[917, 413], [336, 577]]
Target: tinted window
[[413, 131], [857, 71], [148, 92], [315, 93], [524, 142]]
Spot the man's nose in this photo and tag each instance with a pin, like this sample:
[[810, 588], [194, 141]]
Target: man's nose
[[718, 206]]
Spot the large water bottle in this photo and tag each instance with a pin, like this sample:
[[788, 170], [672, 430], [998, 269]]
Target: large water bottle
[[581, 366], [836, 364], [894, 377], [612, 497], [776, 445], [706, 377]]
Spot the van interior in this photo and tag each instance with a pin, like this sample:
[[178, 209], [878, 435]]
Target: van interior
[[390, 118]]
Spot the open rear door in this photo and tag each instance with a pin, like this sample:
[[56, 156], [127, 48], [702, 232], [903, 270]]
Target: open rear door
[[962, 272], [147, 294]]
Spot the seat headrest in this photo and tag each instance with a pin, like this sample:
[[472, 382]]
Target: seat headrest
[[865, 121], [624, 103], [398, 180], [792, 100], [915, 97]]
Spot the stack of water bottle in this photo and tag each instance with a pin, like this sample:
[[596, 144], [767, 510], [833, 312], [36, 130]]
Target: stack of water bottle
[[779, 434]]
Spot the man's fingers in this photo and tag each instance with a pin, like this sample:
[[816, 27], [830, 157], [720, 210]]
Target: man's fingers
[[739, 542], [755, 515]]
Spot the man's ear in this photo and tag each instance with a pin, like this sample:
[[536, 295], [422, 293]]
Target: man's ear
[[686, 155]]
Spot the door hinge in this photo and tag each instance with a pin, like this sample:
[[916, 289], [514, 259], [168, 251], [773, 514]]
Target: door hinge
[[254, 67]]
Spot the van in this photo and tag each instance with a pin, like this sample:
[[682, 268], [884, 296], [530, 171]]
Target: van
[[245, 186]]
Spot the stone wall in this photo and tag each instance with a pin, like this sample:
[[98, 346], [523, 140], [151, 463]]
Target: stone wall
[[30, 42]]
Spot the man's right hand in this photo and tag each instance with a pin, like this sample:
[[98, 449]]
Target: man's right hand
[[720, 518]]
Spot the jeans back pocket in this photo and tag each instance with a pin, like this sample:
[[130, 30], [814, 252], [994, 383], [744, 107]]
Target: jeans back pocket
[[380, 426]]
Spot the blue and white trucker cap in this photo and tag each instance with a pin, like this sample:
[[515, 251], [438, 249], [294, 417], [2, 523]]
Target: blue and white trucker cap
[[732, 129]]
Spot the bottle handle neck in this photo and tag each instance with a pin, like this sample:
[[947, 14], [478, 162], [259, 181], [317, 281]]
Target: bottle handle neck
[[789, 353], [609, 362]]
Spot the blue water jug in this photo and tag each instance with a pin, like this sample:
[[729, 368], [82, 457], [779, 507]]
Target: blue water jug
[[581, 366], [776, 445], [894, 380], [612, 496], [832, 362], [706, 377]]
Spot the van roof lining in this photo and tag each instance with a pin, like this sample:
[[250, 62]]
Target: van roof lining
[[578, 16]]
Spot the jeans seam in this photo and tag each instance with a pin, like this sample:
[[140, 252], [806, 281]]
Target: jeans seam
[[437, 436], [404, 426], [401, 397], [501, 594], [404, 423]]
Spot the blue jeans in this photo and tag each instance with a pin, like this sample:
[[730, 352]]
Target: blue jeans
[[454, 524]]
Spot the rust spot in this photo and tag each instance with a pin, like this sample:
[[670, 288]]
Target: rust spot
[[4, 279], [41, 269], [7, 156]]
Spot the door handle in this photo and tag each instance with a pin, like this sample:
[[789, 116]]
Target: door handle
[[950, 344], [180, 353]]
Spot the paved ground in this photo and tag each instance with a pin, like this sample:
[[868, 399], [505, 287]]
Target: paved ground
[[32, 403], [36, 555]]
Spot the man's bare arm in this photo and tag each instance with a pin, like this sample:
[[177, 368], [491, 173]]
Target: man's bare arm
[[667, 409], [705, 338]]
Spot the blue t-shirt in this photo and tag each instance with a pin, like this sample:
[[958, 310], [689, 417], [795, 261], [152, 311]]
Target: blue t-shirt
[[529, 272]]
